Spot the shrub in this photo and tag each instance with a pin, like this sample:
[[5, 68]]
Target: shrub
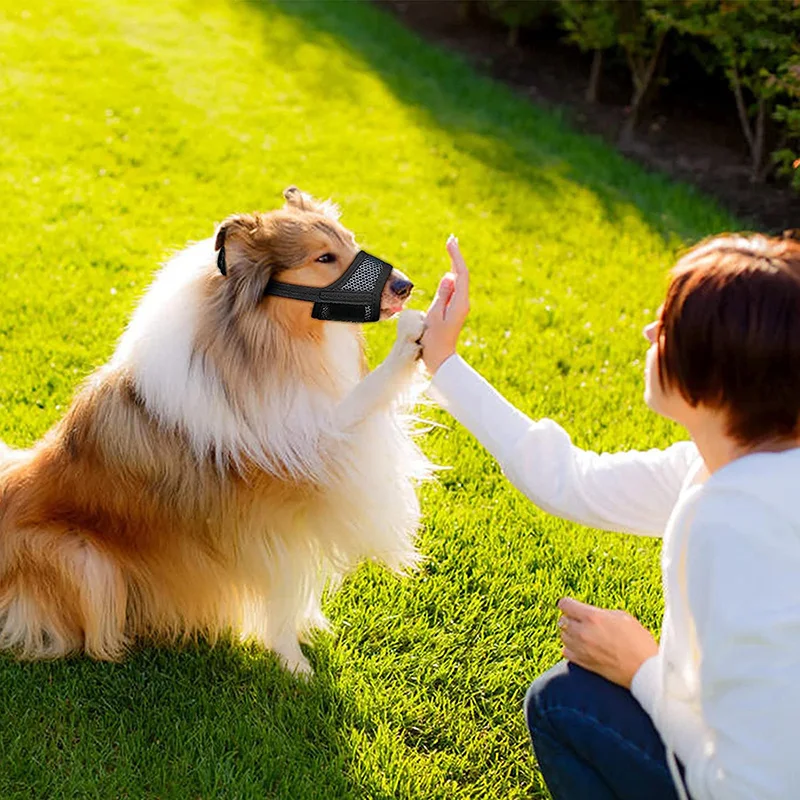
[[594, 27], [787, 156], [516, 14], [755, 42]]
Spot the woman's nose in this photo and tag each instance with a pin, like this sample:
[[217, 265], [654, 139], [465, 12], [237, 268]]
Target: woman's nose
[[650, 332], [401, 287]]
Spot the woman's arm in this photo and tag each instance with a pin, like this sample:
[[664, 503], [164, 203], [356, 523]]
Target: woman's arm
[[631, 491]]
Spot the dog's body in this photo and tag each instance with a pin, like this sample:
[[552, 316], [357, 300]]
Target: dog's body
[[231, 460]]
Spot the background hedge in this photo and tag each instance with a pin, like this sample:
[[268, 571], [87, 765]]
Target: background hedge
[[753, 46]]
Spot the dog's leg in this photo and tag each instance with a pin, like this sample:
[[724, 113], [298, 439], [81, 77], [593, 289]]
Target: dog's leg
[[380, 388], [286, 605], [63, 596], [272, 624], [287, 648], [293, 605], [103, 597]]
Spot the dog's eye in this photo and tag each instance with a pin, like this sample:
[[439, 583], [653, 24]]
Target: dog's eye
[[327, 258]]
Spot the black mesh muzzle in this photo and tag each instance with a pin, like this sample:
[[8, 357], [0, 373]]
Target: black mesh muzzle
[[353, 297]]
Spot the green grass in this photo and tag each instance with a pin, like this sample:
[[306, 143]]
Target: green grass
[[128, 128]]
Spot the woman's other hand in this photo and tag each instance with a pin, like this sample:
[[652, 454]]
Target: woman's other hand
[[611, 643], [447, 313]]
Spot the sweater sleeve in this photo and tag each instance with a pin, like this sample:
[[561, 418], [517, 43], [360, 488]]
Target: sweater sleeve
[[678, 722], [629, 491], [743, 563]]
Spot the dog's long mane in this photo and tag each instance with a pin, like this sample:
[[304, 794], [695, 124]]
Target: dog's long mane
[[242, 392]]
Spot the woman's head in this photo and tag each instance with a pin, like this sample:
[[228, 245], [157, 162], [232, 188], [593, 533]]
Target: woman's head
[[728, 337]]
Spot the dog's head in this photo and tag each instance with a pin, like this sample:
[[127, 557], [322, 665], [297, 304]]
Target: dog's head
[[303, 244], [244, 372]]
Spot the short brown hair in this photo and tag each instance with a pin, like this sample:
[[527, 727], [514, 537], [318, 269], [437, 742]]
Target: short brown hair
[[729, 333]]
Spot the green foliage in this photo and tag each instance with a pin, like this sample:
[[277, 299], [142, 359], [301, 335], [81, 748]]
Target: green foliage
[[787, 112], [516, 14], [589, 24], [130, 128], [756, 42], [639, 25], [754, 39]]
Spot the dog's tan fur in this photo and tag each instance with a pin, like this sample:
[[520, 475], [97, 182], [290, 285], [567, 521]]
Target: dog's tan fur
[[144, 514]]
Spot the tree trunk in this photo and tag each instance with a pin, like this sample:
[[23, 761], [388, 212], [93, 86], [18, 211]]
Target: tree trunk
[[594, 77], [466, 11], [754, 135], [642, 76], [758, 173], [741, 110], [513, 37]]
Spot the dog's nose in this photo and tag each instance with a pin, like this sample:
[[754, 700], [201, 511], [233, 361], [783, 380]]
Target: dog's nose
[[402, 287]]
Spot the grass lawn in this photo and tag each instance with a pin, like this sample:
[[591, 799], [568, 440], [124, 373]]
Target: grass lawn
[[128, 128]]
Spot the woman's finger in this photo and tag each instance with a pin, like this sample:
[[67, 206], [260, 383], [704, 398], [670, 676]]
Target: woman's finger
[[570, 655], [574, 609], [457, 260], [444, 293], [573, 641], [459, 265], [572, 634], [460, 300]]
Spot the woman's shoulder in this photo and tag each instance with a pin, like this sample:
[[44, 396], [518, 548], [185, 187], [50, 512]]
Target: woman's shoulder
[[770, 480], [754, 496]]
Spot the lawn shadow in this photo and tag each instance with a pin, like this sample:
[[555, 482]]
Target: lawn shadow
[[194, 722], [525, 146]]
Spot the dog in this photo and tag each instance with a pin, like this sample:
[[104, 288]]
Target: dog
[[232, 460]]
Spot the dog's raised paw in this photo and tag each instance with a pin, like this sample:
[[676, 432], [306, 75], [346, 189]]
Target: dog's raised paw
[[410, 326]]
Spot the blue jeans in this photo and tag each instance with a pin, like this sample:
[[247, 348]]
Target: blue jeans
[[593, 740]]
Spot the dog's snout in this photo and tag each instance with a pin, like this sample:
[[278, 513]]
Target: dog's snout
[[401, 287]]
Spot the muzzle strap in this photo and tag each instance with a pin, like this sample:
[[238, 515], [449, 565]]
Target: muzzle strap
[[353, 297]]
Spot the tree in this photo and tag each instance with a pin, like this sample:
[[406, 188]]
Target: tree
[[516, 14], [755, 41], [787, 157], [592, 26], [643, 33]]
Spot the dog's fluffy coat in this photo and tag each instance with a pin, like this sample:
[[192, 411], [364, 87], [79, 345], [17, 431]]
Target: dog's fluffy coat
[[231, 460]]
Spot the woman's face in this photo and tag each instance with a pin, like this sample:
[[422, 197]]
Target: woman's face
[[667, 402]]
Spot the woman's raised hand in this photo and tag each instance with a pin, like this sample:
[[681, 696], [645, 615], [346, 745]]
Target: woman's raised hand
[[447, 313]]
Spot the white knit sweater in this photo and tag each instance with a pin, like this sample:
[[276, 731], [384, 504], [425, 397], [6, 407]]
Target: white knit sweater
[[724, 690]]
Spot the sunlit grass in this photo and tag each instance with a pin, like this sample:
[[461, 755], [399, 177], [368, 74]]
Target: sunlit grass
[[129, 128]]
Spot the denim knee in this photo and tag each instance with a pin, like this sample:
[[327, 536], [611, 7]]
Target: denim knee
[[540, 697]]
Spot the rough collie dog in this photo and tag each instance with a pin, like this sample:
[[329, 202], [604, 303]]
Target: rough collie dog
[[230, 461]]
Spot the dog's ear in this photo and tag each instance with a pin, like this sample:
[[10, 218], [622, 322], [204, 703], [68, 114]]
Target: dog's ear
[[234, 236], [296, 199], [305, 202], [219, 247]]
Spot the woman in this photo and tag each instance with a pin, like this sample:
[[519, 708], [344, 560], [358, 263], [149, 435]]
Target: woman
[[713, 709]]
